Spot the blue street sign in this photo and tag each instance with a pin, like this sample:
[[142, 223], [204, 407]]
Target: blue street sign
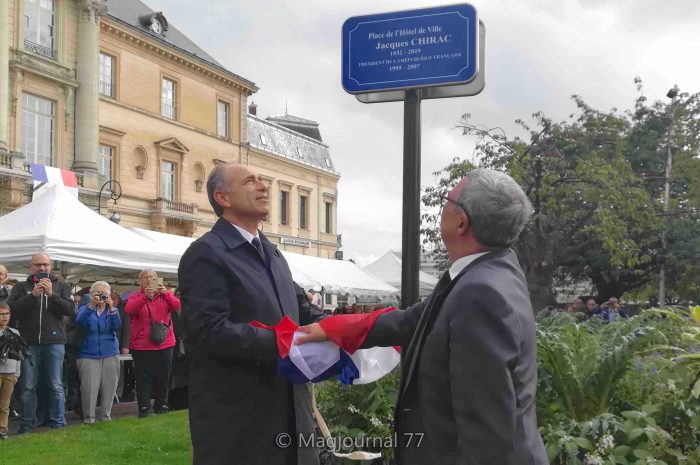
[[408, 49]]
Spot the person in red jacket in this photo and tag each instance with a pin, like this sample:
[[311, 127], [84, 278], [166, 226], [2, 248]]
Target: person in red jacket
[[152, 361]]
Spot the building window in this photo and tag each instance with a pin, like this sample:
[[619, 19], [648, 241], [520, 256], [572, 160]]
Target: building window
[[37, 129], [106, 75], [303, 212], [168, 98], [39, 29], [167, 180], [223, 119], [329, 217], [104, 161], [328, 299], [284, 208]]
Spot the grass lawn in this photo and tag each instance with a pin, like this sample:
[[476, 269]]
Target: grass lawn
[[156, 440]]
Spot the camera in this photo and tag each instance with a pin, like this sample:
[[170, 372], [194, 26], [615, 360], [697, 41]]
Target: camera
[[42, 275], [103, 296]]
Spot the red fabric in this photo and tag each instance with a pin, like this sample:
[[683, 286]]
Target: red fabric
[[350, 331], [284, 330], [161, 308], [69, 179]]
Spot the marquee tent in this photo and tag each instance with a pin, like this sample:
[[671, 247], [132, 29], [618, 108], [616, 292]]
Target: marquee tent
[[334, 276], [60, 225], [388, 269]]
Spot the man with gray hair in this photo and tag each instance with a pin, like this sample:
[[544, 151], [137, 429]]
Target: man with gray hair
[[469, 370], [239, 408]]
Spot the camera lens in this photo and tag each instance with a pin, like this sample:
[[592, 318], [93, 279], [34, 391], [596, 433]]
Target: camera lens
[[103, 296]]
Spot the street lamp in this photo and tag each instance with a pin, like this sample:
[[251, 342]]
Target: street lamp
[[673, 95], [115, 194]]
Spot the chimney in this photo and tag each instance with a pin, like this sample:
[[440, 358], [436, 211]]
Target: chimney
[[253, 109]]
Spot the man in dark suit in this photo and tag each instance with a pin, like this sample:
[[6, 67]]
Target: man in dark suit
[[229, 277], [469, 370]]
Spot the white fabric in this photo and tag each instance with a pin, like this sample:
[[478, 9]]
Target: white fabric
[[374, 363], [388, 269], [313, 358], [60, 225], [462, 263]]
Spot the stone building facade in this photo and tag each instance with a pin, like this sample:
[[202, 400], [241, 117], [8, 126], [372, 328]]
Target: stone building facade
[[112, 91]]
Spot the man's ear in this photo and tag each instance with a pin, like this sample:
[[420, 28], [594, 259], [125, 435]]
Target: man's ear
[[221, 198], [463, 226]]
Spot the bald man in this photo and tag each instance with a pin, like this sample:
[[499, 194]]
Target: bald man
[[240, 410], [38, 307]]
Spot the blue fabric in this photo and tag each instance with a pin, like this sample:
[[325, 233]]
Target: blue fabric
[[101, 339], [344, 369], [45, 361]]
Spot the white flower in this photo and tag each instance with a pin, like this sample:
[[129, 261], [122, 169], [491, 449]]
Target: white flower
[[605, 443], [671, 384], [353, 409], [592, 459], [376, 422]]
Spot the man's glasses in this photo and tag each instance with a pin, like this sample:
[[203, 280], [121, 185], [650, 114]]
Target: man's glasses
[[446, 198], [4, 314], [41, 264]]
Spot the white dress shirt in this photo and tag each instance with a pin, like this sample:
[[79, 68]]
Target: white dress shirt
[[461, 263], [246, 235]]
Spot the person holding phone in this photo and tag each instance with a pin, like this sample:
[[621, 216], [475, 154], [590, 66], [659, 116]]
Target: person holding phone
[[153, 360], [39, 306], [98, 359]]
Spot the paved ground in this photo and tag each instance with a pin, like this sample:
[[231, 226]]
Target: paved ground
[[124, 409]]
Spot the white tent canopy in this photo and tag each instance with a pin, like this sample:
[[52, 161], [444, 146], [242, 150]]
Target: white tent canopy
[[334, 276], [58, 224], [388, 269]]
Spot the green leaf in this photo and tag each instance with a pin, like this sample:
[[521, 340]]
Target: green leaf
[[696, 389], [622, 450], [584, 443], [552, 452], [635, 433], [642, 453]]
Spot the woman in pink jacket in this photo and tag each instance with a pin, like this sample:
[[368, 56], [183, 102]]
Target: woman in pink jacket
[[152, 361]]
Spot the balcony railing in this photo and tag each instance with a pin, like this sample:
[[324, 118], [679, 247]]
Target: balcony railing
[[174, 209], [106, 88], [39, 49], [6, 160]]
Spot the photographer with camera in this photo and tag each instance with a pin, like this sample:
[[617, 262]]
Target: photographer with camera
[[39, 306], [611, 310], [98, 359], [152, 340], [9, 367]]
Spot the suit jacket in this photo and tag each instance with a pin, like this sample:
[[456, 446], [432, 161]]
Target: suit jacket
[[469, 369], [238, 405]]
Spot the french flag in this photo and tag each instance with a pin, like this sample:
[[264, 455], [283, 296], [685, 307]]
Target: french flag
[[338, 357], [48, 175]]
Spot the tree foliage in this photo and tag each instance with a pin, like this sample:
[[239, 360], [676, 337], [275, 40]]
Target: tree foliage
[[596, 185]]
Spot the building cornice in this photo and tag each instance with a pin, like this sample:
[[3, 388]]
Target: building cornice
[[111, 26]]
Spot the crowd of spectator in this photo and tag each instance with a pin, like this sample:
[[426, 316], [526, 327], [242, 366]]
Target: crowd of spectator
[[586, 308], [61, 350]]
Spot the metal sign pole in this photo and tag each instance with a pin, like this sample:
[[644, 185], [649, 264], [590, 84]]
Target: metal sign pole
[[410, 243]]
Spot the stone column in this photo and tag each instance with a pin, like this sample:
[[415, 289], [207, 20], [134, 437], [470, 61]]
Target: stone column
[[4, 74], [87, 97]]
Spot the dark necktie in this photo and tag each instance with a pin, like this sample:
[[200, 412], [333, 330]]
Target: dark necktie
[[258, 245]]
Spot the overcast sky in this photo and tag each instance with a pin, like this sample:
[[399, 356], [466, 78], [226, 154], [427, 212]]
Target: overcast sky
[[540, 52]]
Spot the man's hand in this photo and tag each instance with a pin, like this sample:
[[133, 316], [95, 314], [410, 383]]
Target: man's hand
[[38, 289], [314, 333], [48, 287], [125, 351]]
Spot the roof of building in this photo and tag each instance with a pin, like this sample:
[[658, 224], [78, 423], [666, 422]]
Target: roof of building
[[279, 140], [128, 13], [298, 124]]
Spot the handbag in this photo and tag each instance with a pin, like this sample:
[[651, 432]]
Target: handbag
[[76, 336], [159, 331]]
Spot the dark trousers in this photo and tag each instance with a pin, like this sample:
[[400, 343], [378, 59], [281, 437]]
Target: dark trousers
[[152, 369]]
